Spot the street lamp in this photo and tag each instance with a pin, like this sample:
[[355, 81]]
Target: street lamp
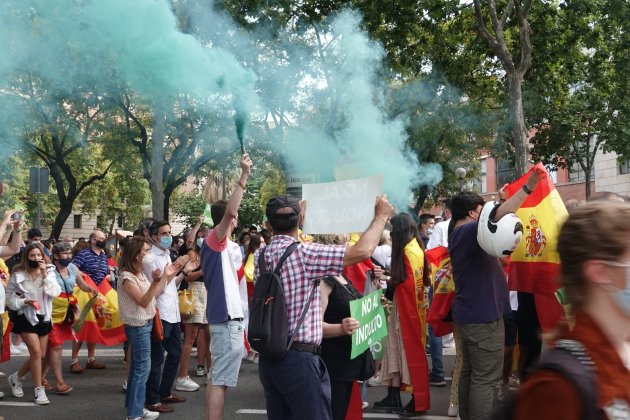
[[460, 174], [223, 145]]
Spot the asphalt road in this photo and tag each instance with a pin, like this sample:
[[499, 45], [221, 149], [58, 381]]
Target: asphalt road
[[98, 395]]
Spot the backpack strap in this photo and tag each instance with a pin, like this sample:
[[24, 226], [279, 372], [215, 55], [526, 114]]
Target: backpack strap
[[263, 266], [570, 359], [303, 314]]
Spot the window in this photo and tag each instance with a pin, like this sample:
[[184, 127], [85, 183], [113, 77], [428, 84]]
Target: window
[[78, 221], [480, 184], [576, 173], [624, 167], [121, 221], [505, 172]]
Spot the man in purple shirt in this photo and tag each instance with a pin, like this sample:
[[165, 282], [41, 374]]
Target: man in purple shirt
[[93, 262], [481, 299]]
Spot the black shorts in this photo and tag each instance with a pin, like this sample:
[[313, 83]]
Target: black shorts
[[511, 328], [21, 325]]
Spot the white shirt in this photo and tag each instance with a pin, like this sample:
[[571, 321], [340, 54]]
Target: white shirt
[[167, 301], [439, 237]]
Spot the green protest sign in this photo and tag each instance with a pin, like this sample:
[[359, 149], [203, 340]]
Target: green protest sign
[[373, 326]]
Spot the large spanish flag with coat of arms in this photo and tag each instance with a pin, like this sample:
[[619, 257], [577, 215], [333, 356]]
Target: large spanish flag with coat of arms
[[535, 263]]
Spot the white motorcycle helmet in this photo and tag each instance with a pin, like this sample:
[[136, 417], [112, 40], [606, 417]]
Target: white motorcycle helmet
[[499, 238]]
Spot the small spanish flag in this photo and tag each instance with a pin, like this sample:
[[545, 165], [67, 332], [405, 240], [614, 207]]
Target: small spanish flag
[[535, 263], [102, 324]]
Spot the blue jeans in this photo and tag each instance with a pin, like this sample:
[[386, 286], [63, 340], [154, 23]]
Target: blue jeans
[[172, 344], [435, 348], [140, 340]]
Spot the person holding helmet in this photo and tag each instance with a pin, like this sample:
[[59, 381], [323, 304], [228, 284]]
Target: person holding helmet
[[481, 294]]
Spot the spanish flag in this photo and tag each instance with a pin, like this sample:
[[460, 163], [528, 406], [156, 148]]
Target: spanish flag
[[535, 263], [409, 297], [440, 315], [102, 324]]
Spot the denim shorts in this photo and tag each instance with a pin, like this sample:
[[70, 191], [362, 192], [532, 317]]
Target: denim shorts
[[227, 342]]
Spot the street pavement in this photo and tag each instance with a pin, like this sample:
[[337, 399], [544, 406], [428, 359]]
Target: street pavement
[[98, 394]]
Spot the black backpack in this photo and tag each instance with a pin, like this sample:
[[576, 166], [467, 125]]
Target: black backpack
[[570, 359], [267, 332]]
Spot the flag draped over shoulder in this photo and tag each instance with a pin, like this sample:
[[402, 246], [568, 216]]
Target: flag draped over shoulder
[[409, 297], [439, 315], [535, 263], [102, 324]]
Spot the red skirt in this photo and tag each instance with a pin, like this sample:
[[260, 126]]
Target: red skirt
[[60, 333]]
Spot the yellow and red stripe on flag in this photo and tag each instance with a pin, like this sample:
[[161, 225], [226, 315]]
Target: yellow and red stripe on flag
[[102, 324], [409, 298], [535, 263], [439, 315]]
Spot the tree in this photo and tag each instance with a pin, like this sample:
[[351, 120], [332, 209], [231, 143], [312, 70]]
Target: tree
[[184, 141], [515, 69], [66, 132], [580, 106]]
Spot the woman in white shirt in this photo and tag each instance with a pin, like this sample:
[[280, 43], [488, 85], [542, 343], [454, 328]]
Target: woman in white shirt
[[30, 292]]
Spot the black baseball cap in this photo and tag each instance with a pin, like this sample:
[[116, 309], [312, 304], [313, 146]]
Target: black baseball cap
[[281, 202]]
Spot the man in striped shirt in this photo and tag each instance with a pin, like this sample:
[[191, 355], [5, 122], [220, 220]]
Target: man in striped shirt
[[93, 262], [298, 386]]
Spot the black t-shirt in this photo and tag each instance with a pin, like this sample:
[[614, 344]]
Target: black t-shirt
[[336, 350]]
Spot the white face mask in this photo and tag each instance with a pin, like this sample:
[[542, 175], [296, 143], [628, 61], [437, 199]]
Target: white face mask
[[199, 242], [148, 259], [430, 231], [621, 297]]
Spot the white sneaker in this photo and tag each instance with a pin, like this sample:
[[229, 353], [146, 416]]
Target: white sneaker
[[186, 384], [149, 415], [40, 396], [374, 381], [22, 347], [365, 405], [502, 391], [125, 385], [1, 394], [453, 410], [15, 351], [201, 371], [16, 385]]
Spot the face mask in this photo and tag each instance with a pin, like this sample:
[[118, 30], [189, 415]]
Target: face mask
[[33, 264], [148, 259], [64, 262], [621, 297], [166, 241], [100, 244], [430, 231], [199, 242]]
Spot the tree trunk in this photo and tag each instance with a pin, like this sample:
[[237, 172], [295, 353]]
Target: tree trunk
[[587, 187], [168, 192], [517, 120], [423, 193], [65, 209], [157, 166]]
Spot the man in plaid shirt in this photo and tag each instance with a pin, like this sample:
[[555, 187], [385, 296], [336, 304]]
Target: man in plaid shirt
[[298, 385]]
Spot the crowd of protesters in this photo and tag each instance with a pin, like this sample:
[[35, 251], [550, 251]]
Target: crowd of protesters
[[316, 378]]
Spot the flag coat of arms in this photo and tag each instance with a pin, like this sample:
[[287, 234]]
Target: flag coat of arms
[[439, 315]]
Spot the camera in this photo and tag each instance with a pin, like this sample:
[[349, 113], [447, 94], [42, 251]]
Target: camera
[[16, 216]]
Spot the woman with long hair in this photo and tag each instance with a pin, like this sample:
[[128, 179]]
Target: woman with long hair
[[594, 249], [67, 275], [136, 300], [405, 362], [255, 242], [195, 328], [31, 290]]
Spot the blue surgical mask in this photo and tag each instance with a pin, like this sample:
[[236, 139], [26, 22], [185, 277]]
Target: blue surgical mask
[[622, 297], [199, 242], [166, 241]]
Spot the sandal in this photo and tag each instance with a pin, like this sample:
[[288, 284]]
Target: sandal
[[46, 385], [62, 389]]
